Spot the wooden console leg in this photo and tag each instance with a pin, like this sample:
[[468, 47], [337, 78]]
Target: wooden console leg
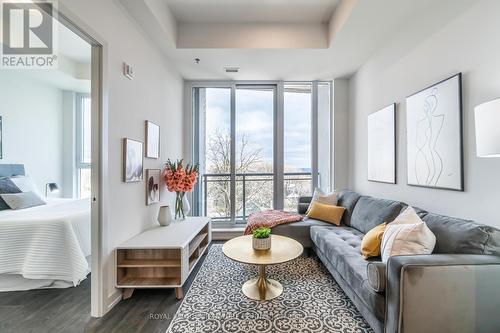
[[179, 294], [127, 293]]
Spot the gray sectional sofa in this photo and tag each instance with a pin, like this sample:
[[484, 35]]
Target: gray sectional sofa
[[455, 289]]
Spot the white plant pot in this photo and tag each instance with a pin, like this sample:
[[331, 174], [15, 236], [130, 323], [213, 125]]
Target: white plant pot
[[261, 244]]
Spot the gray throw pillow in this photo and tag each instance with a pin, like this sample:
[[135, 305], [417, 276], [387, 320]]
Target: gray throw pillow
[[22, 200], [7, 186], [376, 275]]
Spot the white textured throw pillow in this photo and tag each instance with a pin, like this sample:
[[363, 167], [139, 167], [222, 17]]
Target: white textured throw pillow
[[25, 184], [321, 197], [407, 235]]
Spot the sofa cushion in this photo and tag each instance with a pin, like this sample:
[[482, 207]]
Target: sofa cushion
[[370, 212], [348, 200], [299, 230], [341, 245], [460, 236], [407, 235], [327, 213]]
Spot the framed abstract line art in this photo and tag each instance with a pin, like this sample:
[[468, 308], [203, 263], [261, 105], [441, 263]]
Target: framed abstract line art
[[434, 136], [152, 140], [152, 186], [132, 161], [382, 145]]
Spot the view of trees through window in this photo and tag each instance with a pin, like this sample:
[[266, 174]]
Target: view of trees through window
[[254, 149]]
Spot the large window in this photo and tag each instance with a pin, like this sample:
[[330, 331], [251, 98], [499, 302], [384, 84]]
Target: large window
[[255, 146], [83, 145], [297, 143]]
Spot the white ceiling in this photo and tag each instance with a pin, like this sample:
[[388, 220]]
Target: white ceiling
[[254, 11], [73, 46], [354, 34]]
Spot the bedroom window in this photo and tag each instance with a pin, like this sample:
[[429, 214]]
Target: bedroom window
[[83, 145]]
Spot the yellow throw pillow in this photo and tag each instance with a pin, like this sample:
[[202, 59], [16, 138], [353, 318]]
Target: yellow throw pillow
[[370, 245], [327, 213]]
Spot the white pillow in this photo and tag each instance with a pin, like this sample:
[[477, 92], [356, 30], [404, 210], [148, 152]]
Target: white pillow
[[25, 184], [321, 197], [407, 235]]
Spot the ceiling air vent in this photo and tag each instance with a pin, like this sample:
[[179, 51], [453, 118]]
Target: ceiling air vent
[[231, 69]]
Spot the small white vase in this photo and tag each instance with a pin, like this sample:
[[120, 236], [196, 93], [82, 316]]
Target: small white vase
[[165, 215], [261, 244], [186, 207]]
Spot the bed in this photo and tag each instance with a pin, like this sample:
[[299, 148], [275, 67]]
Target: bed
[[46, 246]]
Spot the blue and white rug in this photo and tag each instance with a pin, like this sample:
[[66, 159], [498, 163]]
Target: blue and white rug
[[311, 301]]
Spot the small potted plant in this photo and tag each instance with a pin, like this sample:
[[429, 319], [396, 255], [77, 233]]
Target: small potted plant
[[261, 239]]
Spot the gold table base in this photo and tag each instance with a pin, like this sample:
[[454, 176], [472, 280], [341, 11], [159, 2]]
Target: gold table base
[[261, 288]]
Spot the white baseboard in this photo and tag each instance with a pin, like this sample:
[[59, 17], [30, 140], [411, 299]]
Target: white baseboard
[[112, 300]]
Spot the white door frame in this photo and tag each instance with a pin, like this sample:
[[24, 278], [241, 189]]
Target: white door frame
[[101, 299]]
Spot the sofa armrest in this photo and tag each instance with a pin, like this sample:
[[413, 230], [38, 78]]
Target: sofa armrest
[[303, 204], [443, 293]]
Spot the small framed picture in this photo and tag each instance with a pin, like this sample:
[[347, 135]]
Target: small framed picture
[[152, 186], [152, 140], [132, 160]]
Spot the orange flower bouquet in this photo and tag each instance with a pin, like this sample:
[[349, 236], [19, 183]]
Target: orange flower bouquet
[[180, 179]]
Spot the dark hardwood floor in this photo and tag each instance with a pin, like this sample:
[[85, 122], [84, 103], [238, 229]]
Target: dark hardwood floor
[[68, 310]]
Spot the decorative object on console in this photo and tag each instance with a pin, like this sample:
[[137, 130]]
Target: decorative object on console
[[261, 240], [165, 215], [152, 140], [434, 136], [382, 145], [152, 186], [132, 161], [51, 188], [487, 129], [180, 179]]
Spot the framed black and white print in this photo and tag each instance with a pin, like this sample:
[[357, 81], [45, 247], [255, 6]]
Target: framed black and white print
[[434, 136], [132, 160], [152, 140], [382, 145]]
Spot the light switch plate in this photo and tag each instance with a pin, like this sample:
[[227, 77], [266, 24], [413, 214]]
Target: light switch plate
[[128, 71]]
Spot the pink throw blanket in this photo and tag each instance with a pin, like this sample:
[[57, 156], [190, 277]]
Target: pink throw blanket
[[270, 218]]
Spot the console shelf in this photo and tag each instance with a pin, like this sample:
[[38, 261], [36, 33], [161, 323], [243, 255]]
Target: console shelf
[[162, 257]]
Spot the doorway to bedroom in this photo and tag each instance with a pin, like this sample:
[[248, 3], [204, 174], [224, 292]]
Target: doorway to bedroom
[[47, 177]]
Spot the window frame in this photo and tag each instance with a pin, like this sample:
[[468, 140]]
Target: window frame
[[192, 136], [79, 140]]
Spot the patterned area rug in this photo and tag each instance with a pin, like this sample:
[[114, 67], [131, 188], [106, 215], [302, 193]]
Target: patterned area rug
[[311, 301]]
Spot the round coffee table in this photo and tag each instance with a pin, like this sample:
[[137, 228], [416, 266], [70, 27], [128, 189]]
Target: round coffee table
[[283, 249]]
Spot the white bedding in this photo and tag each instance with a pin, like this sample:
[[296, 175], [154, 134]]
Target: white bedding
[[48, 243]]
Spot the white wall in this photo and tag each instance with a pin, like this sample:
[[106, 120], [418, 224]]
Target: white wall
[[467, 43], [32, 117], [154, 94]]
